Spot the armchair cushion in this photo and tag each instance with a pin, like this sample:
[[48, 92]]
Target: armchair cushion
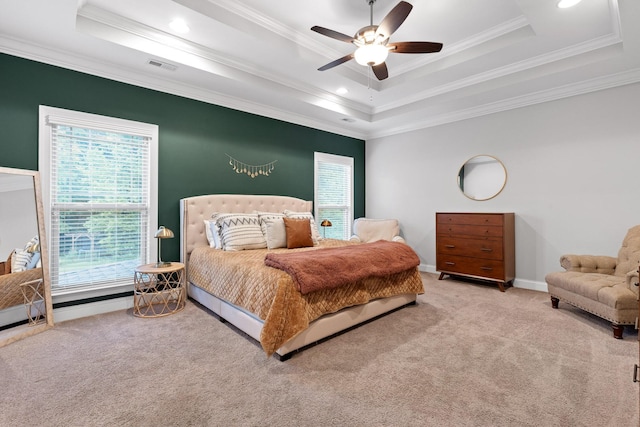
[[589, 263], [370, 230], [602, 285]]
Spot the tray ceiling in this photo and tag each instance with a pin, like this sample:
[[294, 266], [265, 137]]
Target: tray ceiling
[[261, 57]]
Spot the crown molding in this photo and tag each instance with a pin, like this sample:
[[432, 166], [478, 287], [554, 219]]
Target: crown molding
[[516, 67], [93, 67], [503, 29], [579, 88]]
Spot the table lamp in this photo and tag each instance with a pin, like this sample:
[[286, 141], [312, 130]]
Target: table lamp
[[162, 233], [324, 224]]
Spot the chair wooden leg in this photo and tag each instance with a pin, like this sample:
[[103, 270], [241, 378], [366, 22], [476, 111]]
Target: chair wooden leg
[[617, 331], [554, 302]]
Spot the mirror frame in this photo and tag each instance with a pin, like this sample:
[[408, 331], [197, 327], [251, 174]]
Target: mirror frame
[[504, 181], [19, 332]]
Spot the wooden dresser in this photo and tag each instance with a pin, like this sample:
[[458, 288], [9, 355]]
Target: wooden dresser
[[476, 245]]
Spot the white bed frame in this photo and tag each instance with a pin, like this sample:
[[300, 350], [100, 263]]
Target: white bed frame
[[193, 210]]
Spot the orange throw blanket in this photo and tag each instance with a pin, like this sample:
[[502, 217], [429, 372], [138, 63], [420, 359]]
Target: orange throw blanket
[[334, 267]]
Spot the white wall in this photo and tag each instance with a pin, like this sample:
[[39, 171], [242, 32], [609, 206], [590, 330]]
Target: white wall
[[573, 169]]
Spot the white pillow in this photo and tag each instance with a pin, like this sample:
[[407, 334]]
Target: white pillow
[[20, 259], [35, 260], [213, 234], [303, 215], [266, 216], [275, 232], [240, 232]]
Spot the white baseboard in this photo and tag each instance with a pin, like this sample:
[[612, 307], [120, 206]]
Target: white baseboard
[[84, 310], [517, 283]]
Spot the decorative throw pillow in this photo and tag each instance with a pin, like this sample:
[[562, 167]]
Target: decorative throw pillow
[[298, 232], [213, 234], [305, 215], [35, 261], [20, 259], [240, 232], [267, 216], [275, 233], [27, 257]]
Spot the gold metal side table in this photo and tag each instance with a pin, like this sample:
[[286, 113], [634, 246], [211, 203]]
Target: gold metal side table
[[158, 291]]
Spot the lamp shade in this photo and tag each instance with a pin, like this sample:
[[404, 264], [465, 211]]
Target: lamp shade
[[325, 223], [371, 54], [163, 233]]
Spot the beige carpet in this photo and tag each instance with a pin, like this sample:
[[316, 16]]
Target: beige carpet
[[466, 355]]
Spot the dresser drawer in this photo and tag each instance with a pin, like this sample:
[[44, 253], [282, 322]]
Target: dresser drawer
[[469, 218], [470, 230], [489, 248], [487, 268]]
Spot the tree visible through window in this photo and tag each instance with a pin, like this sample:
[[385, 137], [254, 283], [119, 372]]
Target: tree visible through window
[[99, 198], [334, 194]]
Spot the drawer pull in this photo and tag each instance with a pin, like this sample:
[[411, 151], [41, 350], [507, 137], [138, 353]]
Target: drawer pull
[[486, 249], [449, 246], [635, 373], [486, 268], [450, 263]]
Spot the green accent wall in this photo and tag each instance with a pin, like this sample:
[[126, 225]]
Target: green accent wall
[[195, 137]]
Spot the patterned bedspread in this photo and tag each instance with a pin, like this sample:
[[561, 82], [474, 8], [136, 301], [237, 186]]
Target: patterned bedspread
[[242, 279]]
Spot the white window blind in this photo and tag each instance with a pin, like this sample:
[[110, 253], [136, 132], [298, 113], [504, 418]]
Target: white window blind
[[334, 194], [100, 202]]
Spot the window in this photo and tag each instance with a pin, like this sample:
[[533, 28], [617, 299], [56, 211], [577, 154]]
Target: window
[[334, 194], [99, 191]]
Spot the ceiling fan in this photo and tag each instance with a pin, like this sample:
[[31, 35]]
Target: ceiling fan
[[373, 41]]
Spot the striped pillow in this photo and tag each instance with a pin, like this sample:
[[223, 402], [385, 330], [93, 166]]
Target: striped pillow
[[240, 232], [20, 260], [213, 234]]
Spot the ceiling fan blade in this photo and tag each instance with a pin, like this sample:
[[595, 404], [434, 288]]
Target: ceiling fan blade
[[380, 71], [336, 62], [394, 19], [414, 47], [333, 34]]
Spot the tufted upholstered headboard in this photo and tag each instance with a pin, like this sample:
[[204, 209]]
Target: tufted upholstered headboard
[[194, 210]]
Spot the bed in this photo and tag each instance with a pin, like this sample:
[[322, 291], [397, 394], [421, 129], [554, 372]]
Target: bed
[[267, 307], [10, 290]]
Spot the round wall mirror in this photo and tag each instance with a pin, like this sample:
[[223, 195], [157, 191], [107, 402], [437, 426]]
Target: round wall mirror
[[482, 177]]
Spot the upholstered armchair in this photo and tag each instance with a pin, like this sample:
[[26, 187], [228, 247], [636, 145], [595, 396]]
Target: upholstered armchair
[[602, 285], [369, 230]]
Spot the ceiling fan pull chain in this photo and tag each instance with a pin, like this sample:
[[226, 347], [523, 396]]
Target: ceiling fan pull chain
[[369, 84]]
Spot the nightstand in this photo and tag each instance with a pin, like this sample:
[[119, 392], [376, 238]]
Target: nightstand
[[158, 291]]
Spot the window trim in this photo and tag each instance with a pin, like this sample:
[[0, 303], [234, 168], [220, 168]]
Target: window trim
[[48, 115], [319, 157]]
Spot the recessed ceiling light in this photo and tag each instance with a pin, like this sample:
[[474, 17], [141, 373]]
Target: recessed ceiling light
[[342, 91], [563, 4], [179, 26]]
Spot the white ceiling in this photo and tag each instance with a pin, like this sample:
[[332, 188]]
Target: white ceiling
[[261, 56]]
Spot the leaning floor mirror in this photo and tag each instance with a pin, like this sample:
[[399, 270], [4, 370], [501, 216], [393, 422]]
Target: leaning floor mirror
[[25, 290]]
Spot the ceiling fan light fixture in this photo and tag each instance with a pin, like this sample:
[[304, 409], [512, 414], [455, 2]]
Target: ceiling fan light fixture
[[371, 54]]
